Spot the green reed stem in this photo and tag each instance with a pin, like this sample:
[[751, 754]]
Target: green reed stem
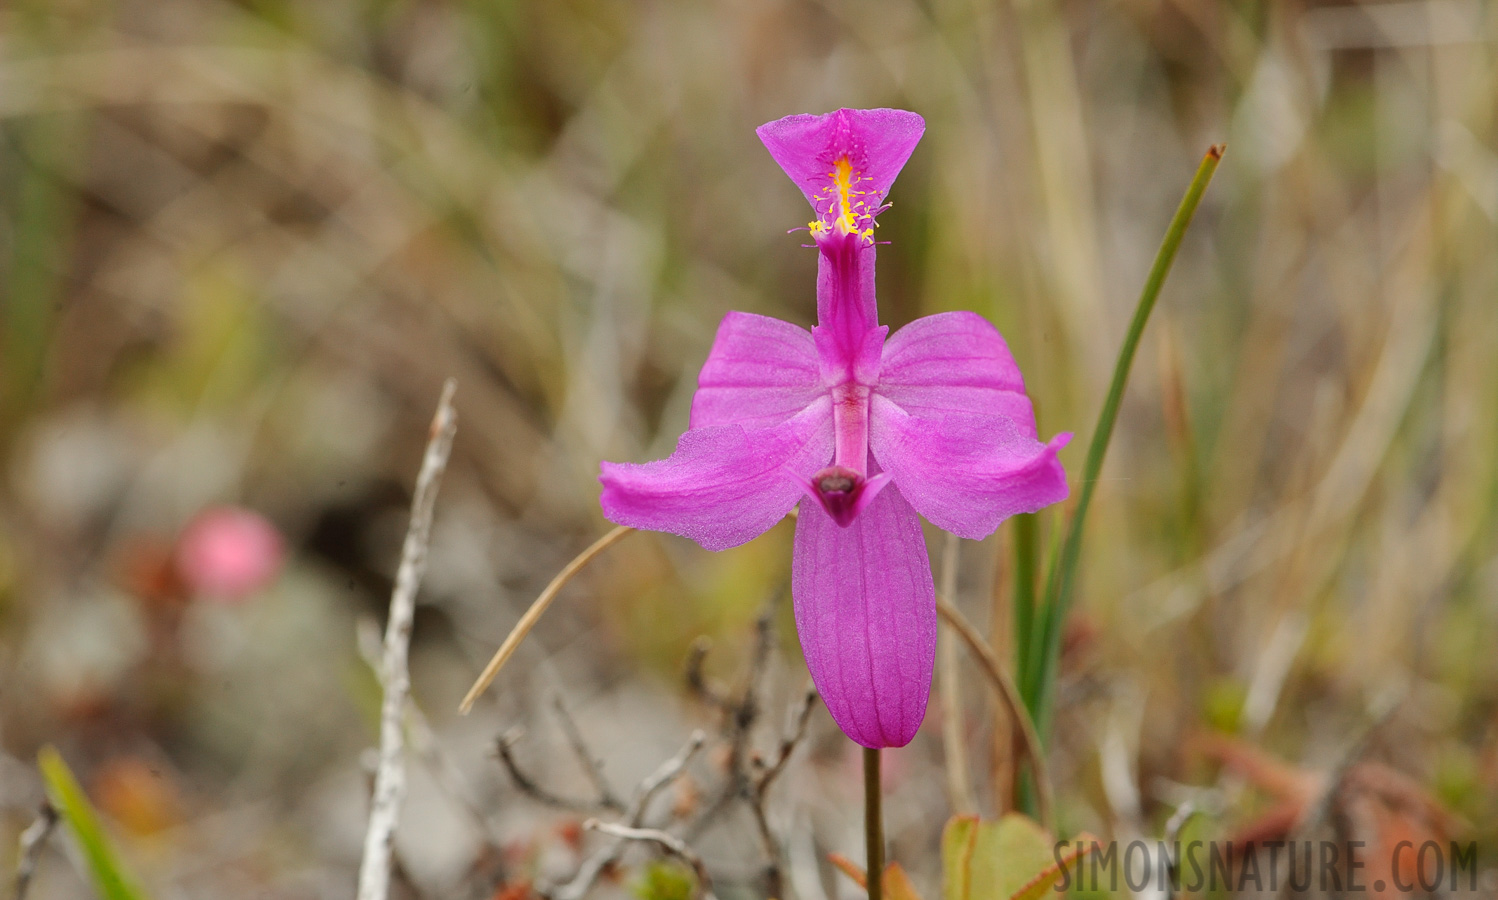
[[1039, 688], [873, 822]]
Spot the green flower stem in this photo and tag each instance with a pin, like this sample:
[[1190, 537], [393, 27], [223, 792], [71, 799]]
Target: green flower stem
[[1042, 666], [873, 822]]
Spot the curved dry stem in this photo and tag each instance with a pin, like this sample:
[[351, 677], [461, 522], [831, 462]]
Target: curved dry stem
[[991, 666], [533, 615]]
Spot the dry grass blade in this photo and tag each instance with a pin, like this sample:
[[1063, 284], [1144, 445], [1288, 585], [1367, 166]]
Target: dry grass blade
[[994, 669], [390, 778], [949, 682], [533, 615]]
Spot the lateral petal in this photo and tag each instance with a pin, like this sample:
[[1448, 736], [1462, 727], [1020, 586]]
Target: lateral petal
[[760, 372], [954, 362], [966, 473], [725, 484], [866, 613]]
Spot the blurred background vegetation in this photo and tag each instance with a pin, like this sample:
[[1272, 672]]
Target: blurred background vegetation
[[241, 245]]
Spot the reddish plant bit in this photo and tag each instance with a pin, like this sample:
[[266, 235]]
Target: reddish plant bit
[[515, 890], [571, 833], [1380, 806]]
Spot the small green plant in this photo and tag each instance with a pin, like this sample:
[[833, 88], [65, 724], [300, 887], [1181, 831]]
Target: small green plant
[[665, 881], [98, 853]]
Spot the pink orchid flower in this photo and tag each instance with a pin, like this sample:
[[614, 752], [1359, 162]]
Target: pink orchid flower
[[933, 420]]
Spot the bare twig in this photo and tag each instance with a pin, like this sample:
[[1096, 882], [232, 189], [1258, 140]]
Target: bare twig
[[658, 780], [33, 839], [667, 841], [989, 662], [531, 787], [739, 717], [634, 817], [767, 776], [797, 731], [390, 778], [748, 776], [424, 741], [1321, 811], [591, 764], [697, 682], [533, 615]]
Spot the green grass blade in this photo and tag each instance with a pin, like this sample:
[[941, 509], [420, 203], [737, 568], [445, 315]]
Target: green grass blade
[[1061, 578], [1025, 526], [45, 151], [1025, 539], [98, 854]]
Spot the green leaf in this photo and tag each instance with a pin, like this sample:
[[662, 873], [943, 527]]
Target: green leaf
[[1012, 858], [1043, 883], [1038, 681], [957, 841], [98, 854], [1007, 854]]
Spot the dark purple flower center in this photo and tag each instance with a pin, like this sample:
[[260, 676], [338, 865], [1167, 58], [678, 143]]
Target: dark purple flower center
[[837, 480], [840, 490]]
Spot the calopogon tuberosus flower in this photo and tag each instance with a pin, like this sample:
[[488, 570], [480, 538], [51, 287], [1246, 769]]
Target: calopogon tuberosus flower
[[864, 429]]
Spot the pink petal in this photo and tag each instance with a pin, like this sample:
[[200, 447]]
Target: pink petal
[[954, 362], [966, 473], [760, 372], [877, 142], [849, 338], [725, 484], [866, 614]]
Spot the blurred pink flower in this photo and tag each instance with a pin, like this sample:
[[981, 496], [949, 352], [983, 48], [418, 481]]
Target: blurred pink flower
[[228, 553]]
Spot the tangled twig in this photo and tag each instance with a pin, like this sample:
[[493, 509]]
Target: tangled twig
[[749, 777], [634, 817], [667, 841], [532, 788], [761, 789], [592, 765], [33, 839]]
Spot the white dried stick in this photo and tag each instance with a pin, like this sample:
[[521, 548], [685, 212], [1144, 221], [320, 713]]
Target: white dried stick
[[390, 778]]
